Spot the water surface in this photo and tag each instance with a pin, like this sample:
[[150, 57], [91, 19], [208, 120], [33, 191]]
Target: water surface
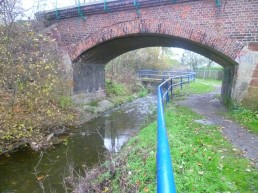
[[83, 149]]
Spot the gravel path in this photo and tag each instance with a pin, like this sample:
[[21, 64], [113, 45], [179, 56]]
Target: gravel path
[[210, 107]]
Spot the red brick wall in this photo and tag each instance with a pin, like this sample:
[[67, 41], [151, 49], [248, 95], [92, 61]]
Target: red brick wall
[[237, 20], [226, 29]]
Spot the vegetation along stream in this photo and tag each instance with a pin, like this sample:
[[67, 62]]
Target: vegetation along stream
[[27, 171]]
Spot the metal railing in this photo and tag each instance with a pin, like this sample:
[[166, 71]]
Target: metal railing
[[157, 73], [165, 176]]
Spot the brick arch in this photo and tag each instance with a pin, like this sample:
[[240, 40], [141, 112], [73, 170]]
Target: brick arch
[[195, 34]]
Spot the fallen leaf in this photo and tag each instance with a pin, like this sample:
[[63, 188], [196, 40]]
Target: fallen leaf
[[40, 178], [248, 170], [199, 164], [105, 189], [201, 172]]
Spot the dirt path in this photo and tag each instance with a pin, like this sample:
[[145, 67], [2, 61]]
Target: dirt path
[[210, 107]]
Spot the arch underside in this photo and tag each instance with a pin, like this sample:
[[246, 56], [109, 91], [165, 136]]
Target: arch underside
[[104, 52], [90, 55], [122, 37]]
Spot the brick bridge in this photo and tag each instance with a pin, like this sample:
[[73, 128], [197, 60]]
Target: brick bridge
[[225, 31]]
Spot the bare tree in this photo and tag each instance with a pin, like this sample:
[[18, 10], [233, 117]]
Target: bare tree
[[192, 60], [30, 86]]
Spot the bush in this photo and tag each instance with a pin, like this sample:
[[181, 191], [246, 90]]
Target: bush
[[65, 102], [245, 117], [116, 89]]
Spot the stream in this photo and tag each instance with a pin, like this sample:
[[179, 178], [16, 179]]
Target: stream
[[85, 148]]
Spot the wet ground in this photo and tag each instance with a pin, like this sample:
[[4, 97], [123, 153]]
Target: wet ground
[[210, 107], [24, 171]]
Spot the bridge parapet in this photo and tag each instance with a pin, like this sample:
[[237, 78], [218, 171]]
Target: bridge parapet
[[102, 6]]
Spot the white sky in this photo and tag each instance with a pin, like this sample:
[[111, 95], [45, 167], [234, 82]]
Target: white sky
[[51, 4], [32, 5]]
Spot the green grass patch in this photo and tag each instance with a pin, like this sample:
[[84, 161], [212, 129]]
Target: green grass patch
[[94, 103], [203, 160], [245, 117], [120, 93], [197, 87], [143, 92], [209, 81], [65, 101], [117, 89]]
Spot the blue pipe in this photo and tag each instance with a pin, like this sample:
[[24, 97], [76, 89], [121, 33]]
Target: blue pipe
[[165, 176]]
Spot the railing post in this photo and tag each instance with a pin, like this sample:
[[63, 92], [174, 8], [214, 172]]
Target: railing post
[[171, 84], [167, 96], [181, 82]]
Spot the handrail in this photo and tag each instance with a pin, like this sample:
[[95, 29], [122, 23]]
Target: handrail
[[165, 175], [157, 73]]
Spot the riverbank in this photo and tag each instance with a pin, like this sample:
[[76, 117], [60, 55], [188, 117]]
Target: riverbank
[[38, 131], [29, 171], [35, 124], [203, 159]]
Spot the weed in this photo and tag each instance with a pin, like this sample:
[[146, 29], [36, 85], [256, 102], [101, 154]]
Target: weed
[[94, 103], [116, 89], [245, 117], [143, 92], [65, 101]]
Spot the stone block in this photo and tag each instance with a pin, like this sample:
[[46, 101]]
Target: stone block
[[253, 46], [253, 91], [250, 103], [254, 82], [255, 74]]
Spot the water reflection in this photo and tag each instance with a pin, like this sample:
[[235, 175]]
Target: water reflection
[[84, 149]]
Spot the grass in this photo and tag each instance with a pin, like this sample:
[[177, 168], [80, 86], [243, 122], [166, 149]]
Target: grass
[[94, 103], [143, 92], [203, 160], [209, 81], [120, 93], [197, 87], [245, 117]]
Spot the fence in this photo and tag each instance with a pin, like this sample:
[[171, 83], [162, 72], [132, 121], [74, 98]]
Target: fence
[[165, 176], [209, 74], [200, 73]]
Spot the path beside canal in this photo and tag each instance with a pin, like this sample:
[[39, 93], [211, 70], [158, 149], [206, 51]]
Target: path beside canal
[[212, 109]]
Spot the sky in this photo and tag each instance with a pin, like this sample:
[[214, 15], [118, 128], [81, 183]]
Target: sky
[[32, 5], [51, 4]]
